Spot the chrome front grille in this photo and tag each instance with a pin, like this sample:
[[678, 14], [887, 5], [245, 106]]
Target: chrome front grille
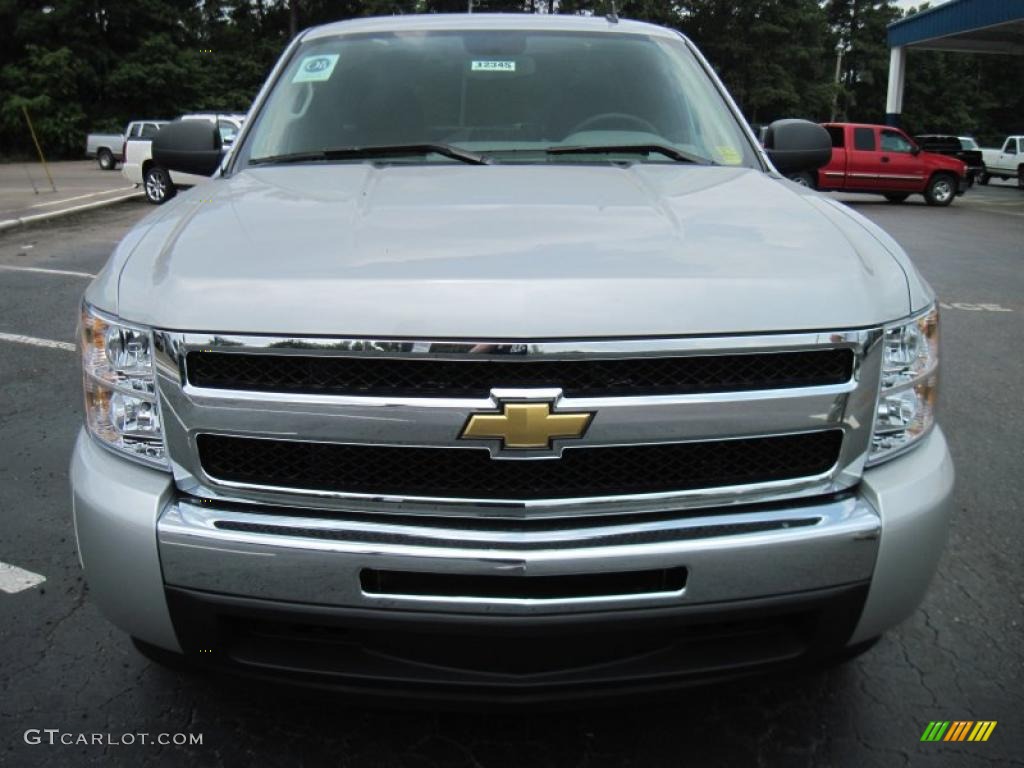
[[373, 426]]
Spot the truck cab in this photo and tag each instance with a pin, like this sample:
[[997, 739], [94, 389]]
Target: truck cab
[[1007, 162], [882, 160]]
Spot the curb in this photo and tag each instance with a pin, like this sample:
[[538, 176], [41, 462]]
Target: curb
[[36, 217]]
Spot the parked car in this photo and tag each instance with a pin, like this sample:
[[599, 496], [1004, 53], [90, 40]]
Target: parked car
[[160, 184], [108, 148], [1006, 162], [497, 359], [881, 160], [962, 148]]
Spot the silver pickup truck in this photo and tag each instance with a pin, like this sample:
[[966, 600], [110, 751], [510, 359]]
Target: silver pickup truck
[[498, 359], [109, 148]]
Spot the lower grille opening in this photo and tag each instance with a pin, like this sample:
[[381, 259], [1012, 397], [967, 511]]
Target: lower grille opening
[[613, 584], [529, 653], [431, 655], [472, 473]]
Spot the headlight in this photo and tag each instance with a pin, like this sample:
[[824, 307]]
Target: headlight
[[121, 408], [909, 386]]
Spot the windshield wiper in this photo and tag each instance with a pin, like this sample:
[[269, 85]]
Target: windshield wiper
[[640, 149], [381, 152]]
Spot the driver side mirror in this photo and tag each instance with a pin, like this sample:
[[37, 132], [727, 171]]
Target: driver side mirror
[[189, 146], [915, 150], [797, 145]]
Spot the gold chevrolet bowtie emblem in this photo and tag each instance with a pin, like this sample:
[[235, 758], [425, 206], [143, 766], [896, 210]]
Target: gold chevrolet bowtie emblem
[[526, 426]]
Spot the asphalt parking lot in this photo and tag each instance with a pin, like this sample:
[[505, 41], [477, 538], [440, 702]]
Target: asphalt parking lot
[[26, 193], [961, 657]]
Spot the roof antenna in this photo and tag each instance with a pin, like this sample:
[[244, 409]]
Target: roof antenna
[[613, 17]]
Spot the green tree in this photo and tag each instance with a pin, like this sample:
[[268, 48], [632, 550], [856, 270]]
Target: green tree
[[859, 28]]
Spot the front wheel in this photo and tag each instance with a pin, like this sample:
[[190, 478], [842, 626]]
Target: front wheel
[[804, 179], [896, 197], [158, 186], [1020, 176], [106, 159], [940, 190], [983, 178]]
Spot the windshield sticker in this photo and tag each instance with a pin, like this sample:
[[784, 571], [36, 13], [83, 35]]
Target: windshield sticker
[[314, 69], [493, 66], [728, 155]]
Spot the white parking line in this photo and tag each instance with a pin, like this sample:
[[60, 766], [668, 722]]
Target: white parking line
[[81, 197], [43, 271], [14, 579], [48, 343], [972, 307]]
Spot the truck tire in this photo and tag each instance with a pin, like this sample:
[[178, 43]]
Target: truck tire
[[1020, 176], [164, 658], [805, 179], [983, 178], [106, 159], [157, 183], [897, 197], [941, 189]]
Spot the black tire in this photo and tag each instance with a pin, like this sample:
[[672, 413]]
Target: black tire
[[897, 197], [106, 160], [157, 184], [1020, 177], [805, 179], [941, 189], [983, 178], [850, 653]]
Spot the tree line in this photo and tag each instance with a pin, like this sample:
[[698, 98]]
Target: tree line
[[84, 65]]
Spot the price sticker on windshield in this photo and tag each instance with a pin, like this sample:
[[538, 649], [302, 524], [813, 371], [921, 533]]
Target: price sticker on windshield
[[493, 66], [728, 155], [315, 69]]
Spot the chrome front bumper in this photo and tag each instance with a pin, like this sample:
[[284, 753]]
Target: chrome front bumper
[[137, 536]]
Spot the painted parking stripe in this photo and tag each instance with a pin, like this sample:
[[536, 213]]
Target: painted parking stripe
[[17, 338], [14, 579], [42, 271], [81, 197], [968, 306]]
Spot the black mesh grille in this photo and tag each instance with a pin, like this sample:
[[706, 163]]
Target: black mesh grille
[[475, 378], [472, 473]]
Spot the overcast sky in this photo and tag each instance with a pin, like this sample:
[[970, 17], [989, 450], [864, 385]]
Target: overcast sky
[[905, 4]]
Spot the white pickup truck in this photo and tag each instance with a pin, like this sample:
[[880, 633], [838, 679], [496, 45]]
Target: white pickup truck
[[160, 184], [108, 148], [1006, 162]]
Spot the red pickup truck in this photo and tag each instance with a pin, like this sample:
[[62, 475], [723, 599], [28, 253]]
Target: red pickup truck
[[882, 160]]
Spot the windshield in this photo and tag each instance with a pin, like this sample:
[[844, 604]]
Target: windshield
[[512, 95], [968, 143]]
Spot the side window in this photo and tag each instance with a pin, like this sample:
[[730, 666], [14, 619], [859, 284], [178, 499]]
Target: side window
[[837, 134], [1011, 147], [864, 139], [149, 130], [894, 142], [133, 130]]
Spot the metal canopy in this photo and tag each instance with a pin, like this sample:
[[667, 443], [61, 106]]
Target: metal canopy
[[964, 26], [968, 26]]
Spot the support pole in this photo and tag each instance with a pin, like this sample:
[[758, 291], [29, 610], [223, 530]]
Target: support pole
[[894, 96], [38, 148]]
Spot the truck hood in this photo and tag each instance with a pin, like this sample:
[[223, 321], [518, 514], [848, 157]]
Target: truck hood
[[505, 252]]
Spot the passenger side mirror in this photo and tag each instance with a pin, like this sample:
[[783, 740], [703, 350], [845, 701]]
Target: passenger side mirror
[[797, 145], [189, 146]]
